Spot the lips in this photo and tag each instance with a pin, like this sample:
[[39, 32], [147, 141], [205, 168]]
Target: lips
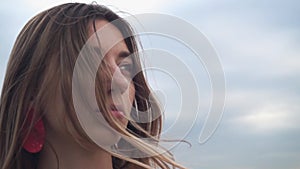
[[117, 112]]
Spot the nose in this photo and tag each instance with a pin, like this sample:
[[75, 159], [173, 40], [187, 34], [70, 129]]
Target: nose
[[118, 83]]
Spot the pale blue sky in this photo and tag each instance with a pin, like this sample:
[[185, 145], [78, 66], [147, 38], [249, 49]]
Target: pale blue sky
[[258, 44]]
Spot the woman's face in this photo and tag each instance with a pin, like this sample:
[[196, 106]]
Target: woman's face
[[119, 87], [117, 59]]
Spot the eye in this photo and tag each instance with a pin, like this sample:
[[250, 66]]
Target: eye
[[126, 69]]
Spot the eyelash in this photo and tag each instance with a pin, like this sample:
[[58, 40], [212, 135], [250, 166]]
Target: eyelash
[[126, 69]]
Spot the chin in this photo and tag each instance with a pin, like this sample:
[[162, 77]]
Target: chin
[[99, 130], [104, 137], [102, 134]]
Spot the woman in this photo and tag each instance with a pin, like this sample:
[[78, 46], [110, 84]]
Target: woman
[[40, 109]]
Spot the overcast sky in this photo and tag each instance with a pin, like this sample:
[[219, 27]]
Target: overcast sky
[[258, 43]]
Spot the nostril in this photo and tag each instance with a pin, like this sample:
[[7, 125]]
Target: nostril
[[119, 88], [109, 92], [119, 83]]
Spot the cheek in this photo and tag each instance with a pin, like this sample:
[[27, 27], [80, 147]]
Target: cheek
[[128, 98], [131, 92]]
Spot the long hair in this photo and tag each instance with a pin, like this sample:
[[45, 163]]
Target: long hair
[[42, 62]]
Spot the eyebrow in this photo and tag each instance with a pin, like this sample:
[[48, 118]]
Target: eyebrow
[[124, 54]]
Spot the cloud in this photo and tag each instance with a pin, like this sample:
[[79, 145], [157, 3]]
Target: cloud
[[270, 118], [258, 43]]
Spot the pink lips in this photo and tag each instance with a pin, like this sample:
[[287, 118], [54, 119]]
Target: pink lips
[[118, 114]]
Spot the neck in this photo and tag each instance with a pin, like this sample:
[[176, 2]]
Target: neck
[[72, 156]]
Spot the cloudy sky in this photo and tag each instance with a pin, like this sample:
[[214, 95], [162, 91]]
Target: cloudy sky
[[258, 43]]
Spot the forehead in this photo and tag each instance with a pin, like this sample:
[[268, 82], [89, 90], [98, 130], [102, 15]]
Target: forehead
[[106, 36]]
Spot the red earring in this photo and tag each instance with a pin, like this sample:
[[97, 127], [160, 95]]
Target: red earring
[[36, 137]]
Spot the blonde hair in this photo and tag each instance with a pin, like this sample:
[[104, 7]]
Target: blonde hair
[[42, 61]]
